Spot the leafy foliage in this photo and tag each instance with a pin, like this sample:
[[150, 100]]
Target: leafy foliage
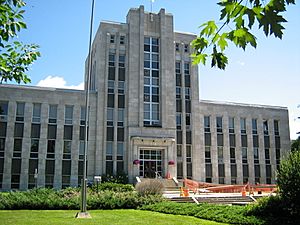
[[295, 146], [288, 179], [219, 213], [239, 16], [107, 186], [15, 57], [69, 198]]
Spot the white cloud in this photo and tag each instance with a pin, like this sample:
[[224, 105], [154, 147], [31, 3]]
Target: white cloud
[[58, 82], [241, 63]]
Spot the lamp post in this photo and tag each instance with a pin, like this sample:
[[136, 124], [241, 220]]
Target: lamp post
[[83, 212]]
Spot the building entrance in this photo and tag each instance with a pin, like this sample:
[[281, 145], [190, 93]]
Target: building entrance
[[151, 163]]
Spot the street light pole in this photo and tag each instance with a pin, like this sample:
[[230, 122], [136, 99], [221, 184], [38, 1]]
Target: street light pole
[[83, 212]]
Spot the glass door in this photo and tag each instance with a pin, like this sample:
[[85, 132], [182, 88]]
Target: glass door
[[151, 163]]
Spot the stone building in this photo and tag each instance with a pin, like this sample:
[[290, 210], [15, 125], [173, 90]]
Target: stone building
[[145, 118]]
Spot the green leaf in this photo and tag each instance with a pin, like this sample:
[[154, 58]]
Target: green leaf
[[209, 29], [222, 43], [199, 44], [218, 59], [199, 58]]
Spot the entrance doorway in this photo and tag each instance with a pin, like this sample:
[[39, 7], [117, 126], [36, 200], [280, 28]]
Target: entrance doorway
[[151, 163]]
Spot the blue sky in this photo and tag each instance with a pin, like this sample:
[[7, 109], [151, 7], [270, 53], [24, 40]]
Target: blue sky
[[269, 74]]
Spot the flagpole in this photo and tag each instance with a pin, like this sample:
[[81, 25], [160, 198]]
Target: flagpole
[[83, 211]]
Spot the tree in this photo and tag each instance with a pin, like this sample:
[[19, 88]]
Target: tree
[[295, 146], [288, 180], [239, 16], [15, 57]]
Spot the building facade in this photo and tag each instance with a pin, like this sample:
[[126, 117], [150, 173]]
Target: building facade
[[145, 118]]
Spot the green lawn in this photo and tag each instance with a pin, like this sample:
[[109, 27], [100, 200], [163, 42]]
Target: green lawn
[[103, 217]]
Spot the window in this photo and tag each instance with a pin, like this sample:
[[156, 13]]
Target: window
[[122, 40], [177, 67], [188, 137], [232, 140], [177, 47], [207, 154], [266, 127], [178, 121], [207, 139], [244, 140], [187, 77], [35, 130], [121, 87], [36, 113], [178, 92], [111, 59], [206, 124], [122, 60], [112, 39], [111, 100], [179, 150], [254, 126], [17, 148], [52, 113], [276, 127], [255, 141], [20, 111], [68, 132], [34, 148], [244, 155], [68, 114], [19, 130], [243, 125], [51, 131], [256, 155], [151, 86], [232, 155], [220, 155], [110, 133], [120, 117], [186, 48], [51, 149], [67, 149], [267, 156], [109, 150], [219, 124], [231, 125], [3, 110], [82, 115]]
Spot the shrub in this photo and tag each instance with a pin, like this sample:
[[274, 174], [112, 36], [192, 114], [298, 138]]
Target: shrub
[[220, 213], [117, 187], [288, 179], [149, 187], [121, 178]]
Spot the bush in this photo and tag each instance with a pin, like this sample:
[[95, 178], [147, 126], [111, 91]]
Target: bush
[[149, 187], [121, 178], [219, 213], [117, 187], [69, 198], [273, 210], [288, 179]]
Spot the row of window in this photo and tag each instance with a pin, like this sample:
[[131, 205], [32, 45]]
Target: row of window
[[186, 47], [36, 113], [113, 39], [243, 128]]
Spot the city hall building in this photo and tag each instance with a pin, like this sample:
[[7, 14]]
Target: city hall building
[[145, 118]]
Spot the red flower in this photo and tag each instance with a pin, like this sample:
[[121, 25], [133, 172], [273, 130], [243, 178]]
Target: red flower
[[136, 162], [171, 163]]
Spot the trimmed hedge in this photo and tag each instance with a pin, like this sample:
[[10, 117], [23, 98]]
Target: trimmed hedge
[[70, 198], [219, 213]]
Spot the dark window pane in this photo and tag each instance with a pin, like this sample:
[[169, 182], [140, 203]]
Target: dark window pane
[[68, 132], [16, 166], [66, 167], [121, 101], [82, 133], [187, 80], [111, 100], [35, 130], [208, 170], [51, 131], [19, 128], [187, 106], [232, 140], [121, 74], [109, 133], [189, 137], [3, 126], [178, 106], [277, 142], [220, 141], [244, 140], [50, 166], [179, 137], [120, 135], [109, 168], [267, 141], [33, 164], [111, 73], [207, 139], [255, 141]]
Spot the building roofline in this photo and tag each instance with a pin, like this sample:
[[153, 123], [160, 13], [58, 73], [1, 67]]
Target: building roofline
[[242, 104], [30, 87]]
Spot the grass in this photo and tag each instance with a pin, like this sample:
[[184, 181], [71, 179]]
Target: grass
[[103, 217]]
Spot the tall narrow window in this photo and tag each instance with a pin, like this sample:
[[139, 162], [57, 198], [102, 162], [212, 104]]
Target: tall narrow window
[[52, 113], [231, 125], [219, 124], [68, 114], [20, 111], [151, 86], [3, 111], [243, 125], [254, 126], [276, 127], [266, 127], [206, 124], [36, 113]]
